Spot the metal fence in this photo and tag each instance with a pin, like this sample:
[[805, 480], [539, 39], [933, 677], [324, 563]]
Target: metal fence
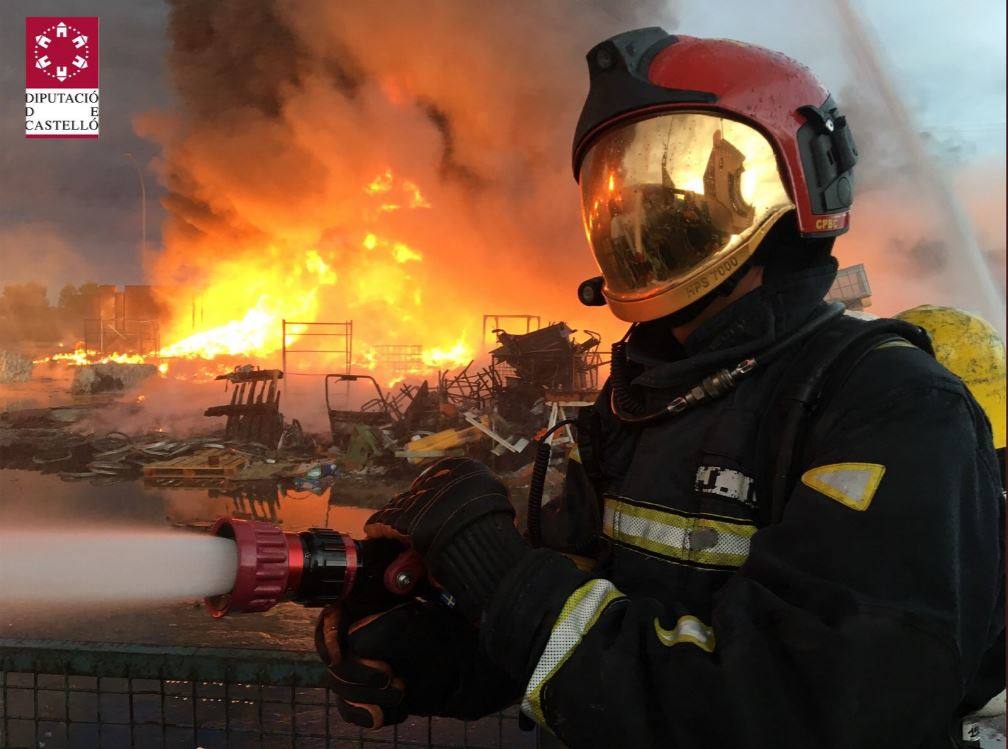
[[73, 694]]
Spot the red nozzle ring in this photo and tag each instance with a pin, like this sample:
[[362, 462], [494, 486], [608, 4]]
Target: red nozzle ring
[[263, 566]]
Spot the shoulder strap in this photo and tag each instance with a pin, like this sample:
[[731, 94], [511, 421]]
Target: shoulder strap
[[815, 374]]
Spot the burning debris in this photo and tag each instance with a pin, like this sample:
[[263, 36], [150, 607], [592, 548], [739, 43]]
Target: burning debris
[[493, 412], [546, 360], [548, 357]]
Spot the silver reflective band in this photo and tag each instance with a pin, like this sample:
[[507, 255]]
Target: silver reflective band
[[670, 534], [579, 613]]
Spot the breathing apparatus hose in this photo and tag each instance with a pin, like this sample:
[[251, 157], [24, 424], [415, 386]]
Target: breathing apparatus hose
[[537, 483], [627, 409], [620, 378]]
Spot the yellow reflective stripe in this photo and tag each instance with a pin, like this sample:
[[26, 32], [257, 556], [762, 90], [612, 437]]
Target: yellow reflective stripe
[[735, 529], [720, 558], [688, 629], [894, 344], [579, 614], [668, 533], [656, 516]]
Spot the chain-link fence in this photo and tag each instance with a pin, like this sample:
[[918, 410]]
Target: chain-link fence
[[74, 694]]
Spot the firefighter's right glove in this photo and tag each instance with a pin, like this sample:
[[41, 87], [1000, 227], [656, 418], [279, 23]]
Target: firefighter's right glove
[[457, 515], [418, 658]]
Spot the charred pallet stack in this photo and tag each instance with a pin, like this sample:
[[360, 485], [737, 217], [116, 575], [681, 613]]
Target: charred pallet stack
[[253, 415]]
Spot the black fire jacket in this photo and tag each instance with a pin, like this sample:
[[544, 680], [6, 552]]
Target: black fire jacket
[[868, 617]]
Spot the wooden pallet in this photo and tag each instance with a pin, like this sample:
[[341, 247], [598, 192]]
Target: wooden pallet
[[204, 464], [254, 411]]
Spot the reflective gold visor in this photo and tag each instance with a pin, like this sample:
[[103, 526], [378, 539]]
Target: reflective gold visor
[[673, 203]]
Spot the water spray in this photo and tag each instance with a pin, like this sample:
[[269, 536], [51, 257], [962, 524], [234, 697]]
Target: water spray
[[316, 567], [86, 565]]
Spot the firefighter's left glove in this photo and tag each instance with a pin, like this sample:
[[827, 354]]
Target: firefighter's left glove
[[417, 658], [458, 517]]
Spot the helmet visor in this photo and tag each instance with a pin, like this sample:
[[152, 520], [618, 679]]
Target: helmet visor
[[666, 199]]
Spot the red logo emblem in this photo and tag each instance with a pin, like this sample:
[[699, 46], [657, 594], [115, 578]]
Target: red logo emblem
[[61, 52], [61, 77]]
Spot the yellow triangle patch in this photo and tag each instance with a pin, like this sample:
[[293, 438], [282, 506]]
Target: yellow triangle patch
[[850, 484]]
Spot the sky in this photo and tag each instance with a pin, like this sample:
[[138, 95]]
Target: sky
[[949, 66], [69, 210]]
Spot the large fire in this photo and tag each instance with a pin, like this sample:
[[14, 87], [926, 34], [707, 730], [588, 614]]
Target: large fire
[[245, 301], [347, 182]]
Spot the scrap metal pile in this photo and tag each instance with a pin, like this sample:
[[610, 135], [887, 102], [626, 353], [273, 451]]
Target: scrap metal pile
[[493, 413], [158, 459]]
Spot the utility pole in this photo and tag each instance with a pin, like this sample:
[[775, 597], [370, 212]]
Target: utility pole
[[143, 203]]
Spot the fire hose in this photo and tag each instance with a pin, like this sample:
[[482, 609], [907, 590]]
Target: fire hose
[[321, 566], [314, 568]]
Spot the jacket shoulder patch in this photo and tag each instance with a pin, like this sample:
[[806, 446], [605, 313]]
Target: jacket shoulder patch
[[850, 484]]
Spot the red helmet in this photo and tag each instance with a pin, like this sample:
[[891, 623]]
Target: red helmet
[[688, 150]]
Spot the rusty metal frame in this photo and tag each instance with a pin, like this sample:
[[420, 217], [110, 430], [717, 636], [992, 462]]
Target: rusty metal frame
[[399, 359], [527, 319], [342, 332], [101, 334]]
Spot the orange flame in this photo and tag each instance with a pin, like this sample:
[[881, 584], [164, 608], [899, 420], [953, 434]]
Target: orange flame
[[81, 357], [246, 300]]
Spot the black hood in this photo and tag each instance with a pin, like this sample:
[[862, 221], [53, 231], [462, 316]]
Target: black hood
[[786, 299]]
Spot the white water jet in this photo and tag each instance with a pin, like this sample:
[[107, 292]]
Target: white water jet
[[100, 566]]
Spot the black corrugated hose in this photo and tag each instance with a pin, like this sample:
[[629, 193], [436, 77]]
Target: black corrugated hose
[[620, 380], [537, 483]]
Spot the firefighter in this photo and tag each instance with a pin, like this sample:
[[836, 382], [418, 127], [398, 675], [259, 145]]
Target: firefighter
[[797, 515]]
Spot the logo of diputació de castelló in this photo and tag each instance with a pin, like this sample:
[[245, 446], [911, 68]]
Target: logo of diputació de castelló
[[61, 77]]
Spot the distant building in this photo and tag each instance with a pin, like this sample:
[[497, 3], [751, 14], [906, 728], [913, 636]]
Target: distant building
[[851, 287]]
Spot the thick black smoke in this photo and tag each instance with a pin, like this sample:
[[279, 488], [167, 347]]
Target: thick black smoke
[[286, 110]]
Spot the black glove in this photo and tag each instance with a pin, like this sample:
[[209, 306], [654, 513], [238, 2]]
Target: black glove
[[418, 658], [458, 517]]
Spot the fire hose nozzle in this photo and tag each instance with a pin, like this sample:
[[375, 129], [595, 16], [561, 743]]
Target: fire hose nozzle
[[314, 568]]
